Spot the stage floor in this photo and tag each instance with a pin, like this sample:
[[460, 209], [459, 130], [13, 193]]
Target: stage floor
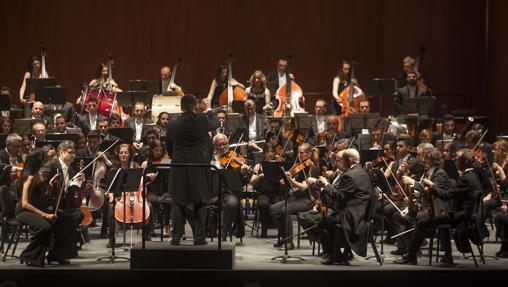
[[256, 253]]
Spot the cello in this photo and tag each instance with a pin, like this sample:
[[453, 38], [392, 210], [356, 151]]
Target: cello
[[232, 93], [289, 96]]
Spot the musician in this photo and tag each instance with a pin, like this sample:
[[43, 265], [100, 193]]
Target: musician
[[278, 75], [222, 118], [67, 110], [187, 141], [299, 200], [164, 81], [38, 113], [462, 195], [268, 192], [162, 123], [449, 132], [424, 136], [28, 144], [258, 92], [142, 154], [30, 210], [351, 195], [102, 80], [449, 151], [410, 90], [33, 71], [340, 82], [408, 64], [122, 159], [364, 107], [60, 125], [103, 128], [137, 123], [231, 198], [10, 157], [69, 216], [38, 133], [497, 203], [253, 123], [88, 122], [219, 83], [5, 92], [404, 163], [318, 120]]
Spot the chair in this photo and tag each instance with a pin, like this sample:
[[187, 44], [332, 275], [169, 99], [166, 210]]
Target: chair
[[9, 224]]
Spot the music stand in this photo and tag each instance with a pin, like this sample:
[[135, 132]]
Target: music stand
[[360, 121], [32, 84], [53, 143], [62, 137], [234, 122], [152, 87], [136, 85], [273, 173], [24, 126], [421, 105], [125, 134], [105, 144], [130, 98], [238, 107], [368, 155], [383, 90], [5, 103], [302, 120]]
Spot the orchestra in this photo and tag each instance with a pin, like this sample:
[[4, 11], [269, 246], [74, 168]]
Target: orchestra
[[65, 165]]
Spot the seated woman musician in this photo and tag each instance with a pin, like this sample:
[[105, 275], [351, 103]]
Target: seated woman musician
[[299, 200], [223, 158], [33, 71], [340, 82], [219, 83], [154, 181]]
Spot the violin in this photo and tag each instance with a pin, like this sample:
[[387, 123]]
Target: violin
[[378, 161], [301, 166], [233, 160], [19, 170]]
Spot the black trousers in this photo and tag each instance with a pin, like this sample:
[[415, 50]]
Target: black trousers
[[40, 229], [501, 221], [425, 223], [294, 205], [230, 211], [196, 214], [264, 202], [311, 218], [65, 235], [328, 234]]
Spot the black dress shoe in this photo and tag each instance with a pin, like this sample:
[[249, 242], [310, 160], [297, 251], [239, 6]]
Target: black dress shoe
[[342, 262], [502, 254], [398, 251], [59, 260], [327, 261], [406, 260], [278, 244], [389, 240], [174, 242], [200, 242]]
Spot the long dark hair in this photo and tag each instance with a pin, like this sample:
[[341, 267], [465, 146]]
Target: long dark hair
[[33, 164], [218, 76], [99, 70], [157, 143], [29, 67]]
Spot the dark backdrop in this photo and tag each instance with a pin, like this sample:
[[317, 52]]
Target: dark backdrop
[[142, 36]]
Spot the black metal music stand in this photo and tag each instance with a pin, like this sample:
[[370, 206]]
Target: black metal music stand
[[33, 83], [274, 173], [129, 98], [383, 90], [114, 184], [126, 134], [421, 105]]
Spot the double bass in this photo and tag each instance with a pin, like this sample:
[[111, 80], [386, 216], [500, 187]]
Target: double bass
[[419, 82], [350, 97], [232, 93], [289, 96], [177, 91]]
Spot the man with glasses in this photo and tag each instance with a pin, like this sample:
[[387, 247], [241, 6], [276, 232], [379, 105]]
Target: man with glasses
[[364, 107], [68, 216], [318, 121], [10, 157], [88, 122]]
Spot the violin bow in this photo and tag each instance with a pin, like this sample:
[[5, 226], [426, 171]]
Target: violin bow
[[94, 160], [234, 150], [480, 140]]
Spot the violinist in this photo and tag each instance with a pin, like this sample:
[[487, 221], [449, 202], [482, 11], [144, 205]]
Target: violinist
[[11, 158], [223, 158], [162, 123], [403, 164], [65, 183], [300, 200], [498, 203], [219, 83], [434, 211], [351, 195], [461, 196], [268, 193], [30, 210]]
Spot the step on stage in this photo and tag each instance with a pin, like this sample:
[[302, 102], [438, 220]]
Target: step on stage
[[241, 264]]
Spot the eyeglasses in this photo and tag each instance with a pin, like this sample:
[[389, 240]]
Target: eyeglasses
[[70, 151]]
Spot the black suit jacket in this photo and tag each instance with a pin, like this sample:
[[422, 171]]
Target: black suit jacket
[[260, 126], [273, 76], [402, 93], [440, 179], [187, 141], [84, 122], [48, 171], [131, 123], [352, 195]]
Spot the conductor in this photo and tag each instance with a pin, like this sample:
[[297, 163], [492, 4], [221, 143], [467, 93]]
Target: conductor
[[188, 141]]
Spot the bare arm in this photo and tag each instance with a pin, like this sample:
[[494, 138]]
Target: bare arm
[[23, 88], [25, 203], [208, 99], [335, 88]]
